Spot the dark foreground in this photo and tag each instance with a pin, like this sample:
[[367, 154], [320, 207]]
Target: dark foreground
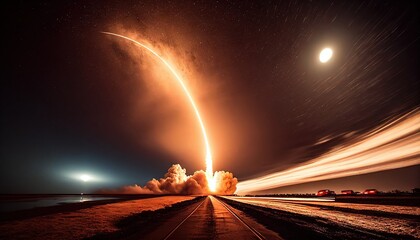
[[186, 217], [201, 218], [80, 220], [332, 220], [230, 218]]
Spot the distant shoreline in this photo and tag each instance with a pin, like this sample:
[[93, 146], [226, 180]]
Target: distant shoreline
[[62, 207]]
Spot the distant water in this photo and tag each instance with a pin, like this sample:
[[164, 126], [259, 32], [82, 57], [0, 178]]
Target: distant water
[[15, 203]]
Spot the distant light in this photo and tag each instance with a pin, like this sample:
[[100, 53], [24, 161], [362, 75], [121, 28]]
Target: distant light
[[86, 175], [325, 55], [85, 178]]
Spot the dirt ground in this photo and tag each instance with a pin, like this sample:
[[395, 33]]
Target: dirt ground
[[82, 223]]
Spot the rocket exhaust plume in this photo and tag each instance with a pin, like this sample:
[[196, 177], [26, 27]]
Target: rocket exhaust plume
[[209, 161], [176, 181], [395, 144]]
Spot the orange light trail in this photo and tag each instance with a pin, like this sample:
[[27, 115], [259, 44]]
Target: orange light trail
[[391, 146], [209, 161]]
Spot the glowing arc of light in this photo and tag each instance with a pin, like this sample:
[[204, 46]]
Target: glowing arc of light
[[391, 146], [209, 161]]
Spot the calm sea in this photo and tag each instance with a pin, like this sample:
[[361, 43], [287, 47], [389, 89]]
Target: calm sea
[[10, 203]]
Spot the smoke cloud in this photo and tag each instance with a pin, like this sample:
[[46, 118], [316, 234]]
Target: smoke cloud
[[225, 182], [176, 181]]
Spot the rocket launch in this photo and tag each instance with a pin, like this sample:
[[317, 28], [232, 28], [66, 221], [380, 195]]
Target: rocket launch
[[208, 157]]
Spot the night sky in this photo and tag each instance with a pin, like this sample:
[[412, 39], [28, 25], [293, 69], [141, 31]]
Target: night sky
[[75, 101]]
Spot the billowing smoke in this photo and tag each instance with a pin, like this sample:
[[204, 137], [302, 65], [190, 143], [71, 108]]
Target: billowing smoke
[[225, 182], [176, 181]]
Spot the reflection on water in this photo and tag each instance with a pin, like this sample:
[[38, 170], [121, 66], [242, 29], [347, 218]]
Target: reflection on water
[[15, 203]]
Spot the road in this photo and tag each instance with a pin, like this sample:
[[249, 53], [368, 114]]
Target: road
[[210, 219]]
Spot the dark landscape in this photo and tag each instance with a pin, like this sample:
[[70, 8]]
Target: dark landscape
[[197, 119], [267, 221]]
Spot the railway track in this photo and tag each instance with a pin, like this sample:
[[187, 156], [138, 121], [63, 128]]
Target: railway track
[[255, 232], [176, 228], [216, 213]]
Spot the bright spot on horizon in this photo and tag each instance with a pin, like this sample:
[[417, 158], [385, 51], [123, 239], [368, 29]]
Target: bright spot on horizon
[[212, 183], [85, 178], [325, 55]]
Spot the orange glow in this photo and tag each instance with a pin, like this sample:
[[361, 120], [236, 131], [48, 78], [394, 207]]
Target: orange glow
[[208, 158], [393, 145]]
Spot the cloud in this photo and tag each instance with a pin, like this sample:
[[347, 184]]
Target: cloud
[[176, 181], [225, 182]]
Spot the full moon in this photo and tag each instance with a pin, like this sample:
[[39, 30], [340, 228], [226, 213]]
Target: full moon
[[325, 55]]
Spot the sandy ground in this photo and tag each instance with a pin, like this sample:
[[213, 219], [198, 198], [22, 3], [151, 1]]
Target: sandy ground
[[82, 223], [396, 225]]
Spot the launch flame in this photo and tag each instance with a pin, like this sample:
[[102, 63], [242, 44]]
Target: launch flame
[[209, 161], [393, 145]]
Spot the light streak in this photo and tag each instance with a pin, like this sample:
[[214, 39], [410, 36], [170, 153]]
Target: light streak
[[209, 161], [393, 145], [280, 199]]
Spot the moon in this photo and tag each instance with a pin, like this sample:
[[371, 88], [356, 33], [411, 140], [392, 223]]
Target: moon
[[325, 55]]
